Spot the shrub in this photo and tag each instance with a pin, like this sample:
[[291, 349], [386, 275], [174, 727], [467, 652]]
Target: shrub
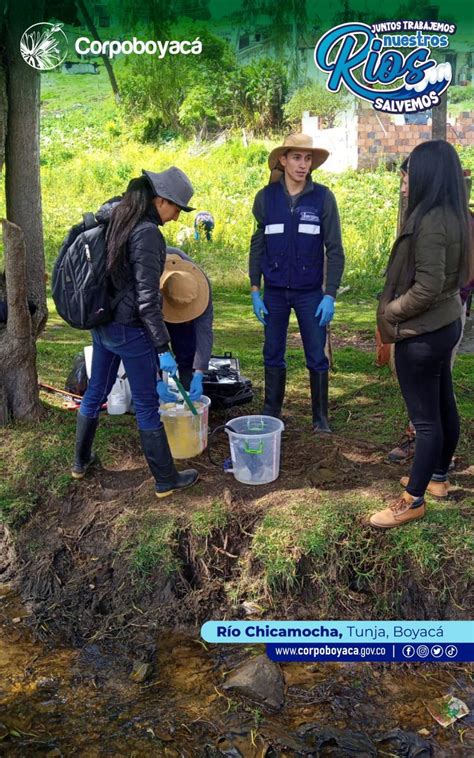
[[318, 101]]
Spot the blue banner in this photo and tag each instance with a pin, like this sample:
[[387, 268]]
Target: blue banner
[[406, 653], [358, 632]]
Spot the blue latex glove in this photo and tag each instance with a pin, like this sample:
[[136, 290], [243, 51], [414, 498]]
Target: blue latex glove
[[195, 390], [325, 311], [165, 394], [259, 307], [168, 363]]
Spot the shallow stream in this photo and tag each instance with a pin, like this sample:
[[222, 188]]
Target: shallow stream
[[59, 701]]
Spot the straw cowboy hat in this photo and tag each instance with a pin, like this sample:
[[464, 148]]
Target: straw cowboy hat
[[297, 141], [185, 290]]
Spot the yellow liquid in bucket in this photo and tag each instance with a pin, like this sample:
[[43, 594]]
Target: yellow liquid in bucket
[[187, 434]]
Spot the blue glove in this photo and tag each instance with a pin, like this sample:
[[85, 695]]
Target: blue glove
[[259, 307], [325, 310], [168, 363], [195, 390], [165, 394]]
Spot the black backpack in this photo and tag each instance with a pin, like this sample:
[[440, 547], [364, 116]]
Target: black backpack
[[80, 286]]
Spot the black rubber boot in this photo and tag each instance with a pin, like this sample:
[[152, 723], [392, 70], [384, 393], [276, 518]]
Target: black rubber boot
[[84, 457], [185, 376], [275, 383], [319, 382], [158, 456]]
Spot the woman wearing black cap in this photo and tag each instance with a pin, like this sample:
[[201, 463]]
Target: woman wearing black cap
[[136, 254]]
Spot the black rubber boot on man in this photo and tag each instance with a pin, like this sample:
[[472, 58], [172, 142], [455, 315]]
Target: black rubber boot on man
[[160, 462], [275, 384], [84, 457], [319, 383]]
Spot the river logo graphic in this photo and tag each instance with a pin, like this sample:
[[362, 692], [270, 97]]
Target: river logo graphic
[[388, 64], [44, 46]]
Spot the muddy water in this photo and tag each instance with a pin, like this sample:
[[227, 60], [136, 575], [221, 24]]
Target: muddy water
[[67, 702]]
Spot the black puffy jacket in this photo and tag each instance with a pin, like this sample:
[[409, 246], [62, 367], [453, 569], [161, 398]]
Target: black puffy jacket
[[139, 281]]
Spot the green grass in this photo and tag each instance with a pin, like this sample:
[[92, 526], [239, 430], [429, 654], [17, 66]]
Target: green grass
[[153, 546], [204, 521], [326, 544]]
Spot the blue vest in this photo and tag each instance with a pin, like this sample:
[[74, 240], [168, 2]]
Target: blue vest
[[294, 252]]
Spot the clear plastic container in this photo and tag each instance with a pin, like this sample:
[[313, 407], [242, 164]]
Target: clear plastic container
[[255, 448], [187, 434], [119, 398]]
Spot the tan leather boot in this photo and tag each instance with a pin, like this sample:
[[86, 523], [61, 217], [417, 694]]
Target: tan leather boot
[[398, 513], [437, 489]]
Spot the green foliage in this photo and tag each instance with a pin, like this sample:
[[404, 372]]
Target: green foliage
[[89, 154], [460, 99], [457, 94], [198, 109], [260, 90], [191, 93], [316, 99], [162, 94]]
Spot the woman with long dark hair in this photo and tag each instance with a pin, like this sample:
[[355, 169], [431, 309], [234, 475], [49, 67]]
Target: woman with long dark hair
[[136, 254], [420, 311]]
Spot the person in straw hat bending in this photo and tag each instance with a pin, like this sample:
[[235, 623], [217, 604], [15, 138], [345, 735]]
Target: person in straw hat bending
[[188, 314], [297, 230]]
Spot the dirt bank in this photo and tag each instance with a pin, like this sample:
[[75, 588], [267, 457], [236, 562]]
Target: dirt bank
[[110, 562]]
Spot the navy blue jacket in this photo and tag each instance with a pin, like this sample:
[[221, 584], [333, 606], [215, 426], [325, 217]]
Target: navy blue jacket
[[294, 253], [330, 232]]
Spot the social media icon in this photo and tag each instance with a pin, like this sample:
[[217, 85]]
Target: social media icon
[[436, 651], [422, 651], [451, 651], [408, 651]]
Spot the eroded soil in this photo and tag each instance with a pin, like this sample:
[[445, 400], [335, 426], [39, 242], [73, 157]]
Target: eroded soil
[[71, 561]]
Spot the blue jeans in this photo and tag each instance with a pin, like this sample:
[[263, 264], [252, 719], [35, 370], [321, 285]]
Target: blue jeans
[[112, 343], [279, 301]]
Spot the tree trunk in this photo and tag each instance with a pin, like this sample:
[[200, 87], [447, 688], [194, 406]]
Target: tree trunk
[[440, 118], [22, 182], [18, 380], [3, 114], [90, 25]]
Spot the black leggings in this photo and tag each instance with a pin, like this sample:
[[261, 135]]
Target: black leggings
[[424, 373]]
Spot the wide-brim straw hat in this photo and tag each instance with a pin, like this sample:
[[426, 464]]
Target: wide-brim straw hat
[[297, 141], [185, 290]]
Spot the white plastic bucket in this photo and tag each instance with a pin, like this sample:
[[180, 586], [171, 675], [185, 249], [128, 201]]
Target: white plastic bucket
[[255, 443], [187, 433]]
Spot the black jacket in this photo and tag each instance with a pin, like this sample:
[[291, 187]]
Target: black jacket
[[138, 282]]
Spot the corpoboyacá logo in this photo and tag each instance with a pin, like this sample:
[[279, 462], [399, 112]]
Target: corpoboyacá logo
[[43, 46], [357, 55]]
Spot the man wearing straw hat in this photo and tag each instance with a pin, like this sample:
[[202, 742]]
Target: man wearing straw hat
[[188, 314], [297, 243]]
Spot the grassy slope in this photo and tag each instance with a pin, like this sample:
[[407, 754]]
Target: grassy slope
[[84, 164]]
